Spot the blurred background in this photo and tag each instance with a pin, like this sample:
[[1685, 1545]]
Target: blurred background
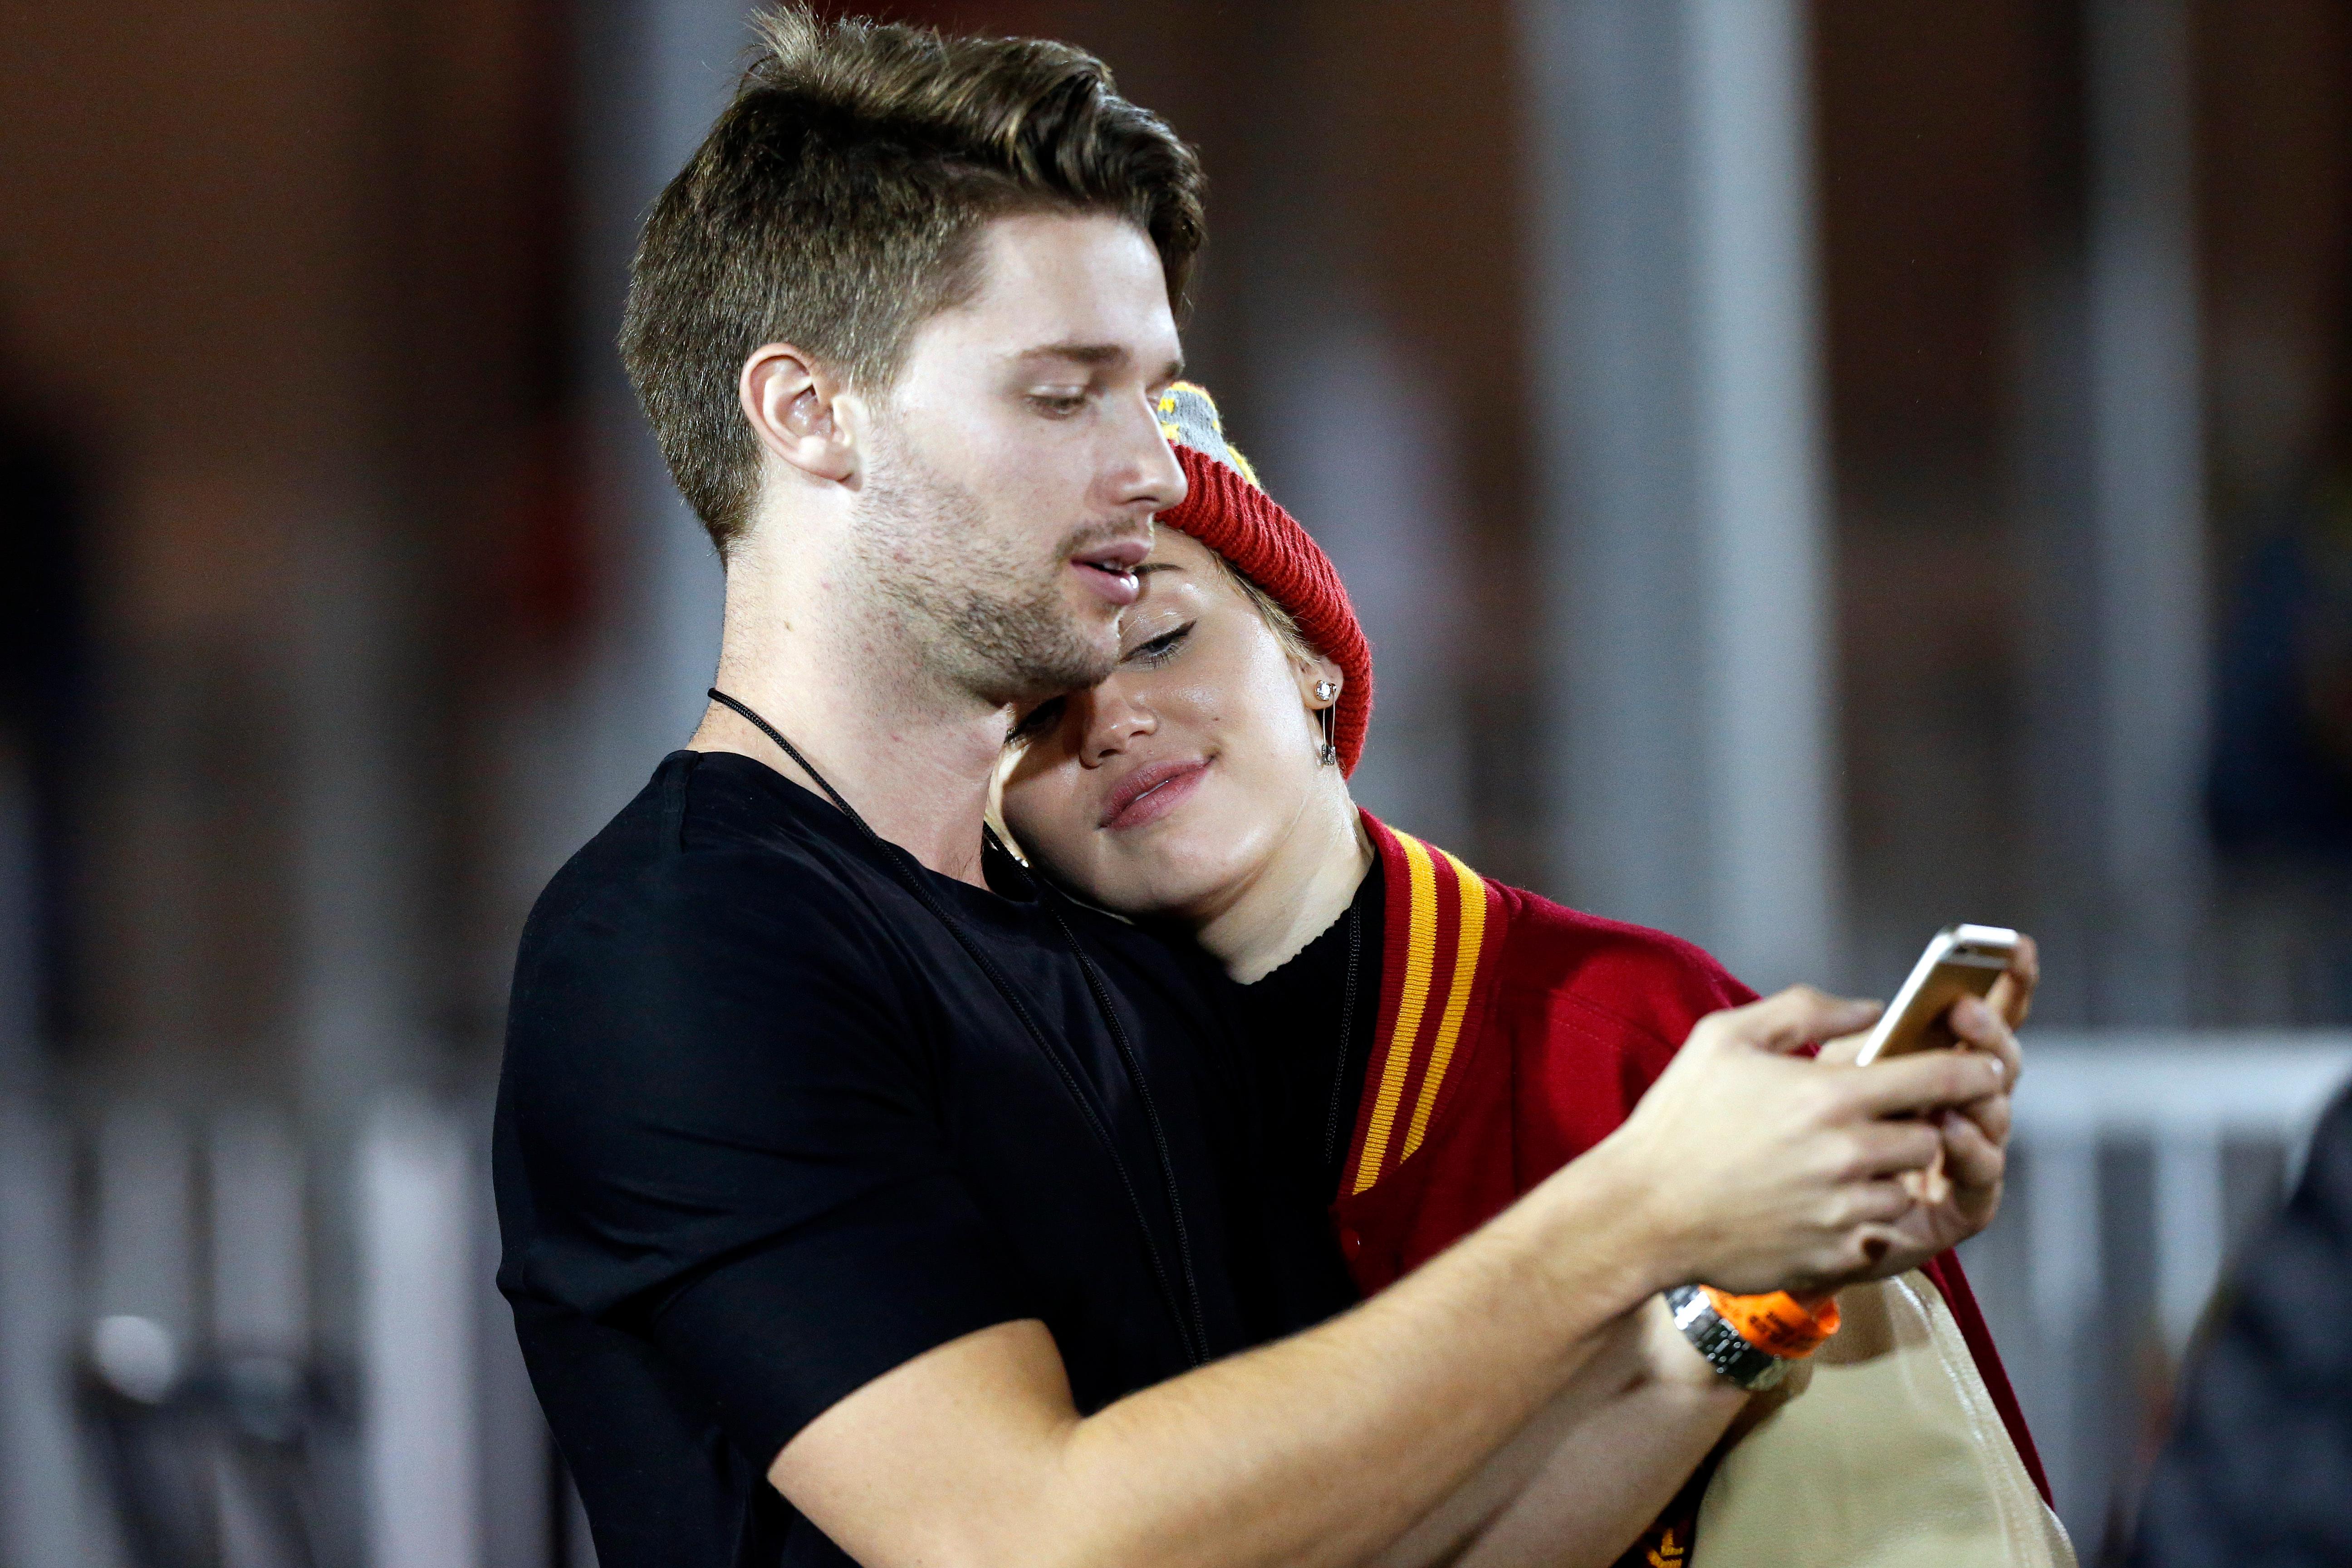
[[1813, 471]]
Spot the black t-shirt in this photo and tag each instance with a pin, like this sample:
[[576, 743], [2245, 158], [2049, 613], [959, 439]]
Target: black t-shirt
[[766, 1131]]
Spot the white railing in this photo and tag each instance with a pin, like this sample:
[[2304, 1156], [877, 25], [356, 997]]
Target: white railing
[[422, 1447], [2185, 1097], [2078, 1282], [421, 1284]]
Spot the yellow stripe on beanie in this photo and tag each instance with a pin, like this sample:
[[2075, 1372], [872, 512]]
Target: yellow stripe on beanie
[[1189, 417]]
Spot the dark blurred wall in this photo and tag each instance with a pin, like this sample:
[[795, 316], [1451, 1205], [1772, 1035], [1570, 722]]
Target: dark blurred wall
[[2273, 93], [303, 283], [290, 271], [1926, 131], [46, 501], [1955, 148]]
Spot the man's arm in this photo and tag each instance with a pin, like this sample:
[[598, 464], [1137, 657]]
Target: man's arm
[[1742, 1166]]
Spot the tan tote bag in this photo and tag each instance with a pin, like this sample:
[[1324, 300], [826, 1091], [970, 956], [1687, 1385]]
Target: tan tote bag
[[1893, 1457]]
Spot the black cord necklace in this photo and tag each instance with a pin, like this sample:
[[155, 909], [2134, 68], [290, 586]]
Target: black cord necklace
[[1192, 1326]]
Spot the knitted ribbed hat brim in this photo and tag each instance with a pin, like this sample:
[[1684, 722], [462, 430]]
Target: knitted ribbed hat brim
[[1241, 522]]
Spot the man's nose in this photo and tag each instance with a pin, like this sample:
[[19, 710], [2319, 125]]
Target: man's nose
[[1151, 479]]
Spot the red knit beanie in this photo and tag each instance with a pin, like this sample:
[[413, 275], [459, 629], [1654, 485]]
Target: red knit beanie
[[1227, 511]]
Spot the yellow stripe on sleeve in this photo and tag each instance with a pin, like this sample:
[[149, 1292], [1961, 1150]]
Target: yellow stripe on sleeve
[[1420, 958], [1458, 998]]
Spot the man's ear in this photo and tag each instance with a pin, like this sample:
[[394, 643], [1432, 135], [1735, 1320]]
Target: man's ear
[[795, 408]]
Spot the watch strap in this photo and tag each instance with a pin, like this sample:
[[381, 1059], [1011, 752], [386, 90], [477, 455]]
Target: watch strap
[[1721, 1344]]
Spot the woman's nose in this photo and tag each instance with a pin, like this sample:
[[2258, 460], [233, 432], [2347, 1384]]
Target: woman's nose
[[1119, 720]]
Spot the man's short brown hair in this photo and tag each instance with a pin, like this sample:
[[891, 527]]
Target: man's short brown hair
[[837, 202]]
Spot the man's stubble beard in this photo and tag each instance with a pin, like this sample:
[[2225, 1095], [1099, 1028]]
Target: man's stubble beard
[[976, 617]]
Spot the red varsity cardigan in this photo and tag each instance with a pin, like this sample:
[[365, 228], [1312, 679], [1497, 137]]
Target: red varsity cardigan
[[1514, 1034]]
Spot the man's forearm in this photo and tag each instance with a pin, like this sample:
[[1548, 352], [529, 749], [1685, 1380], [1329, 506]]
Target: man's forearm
[[1325, 1447], [1320, 1449]]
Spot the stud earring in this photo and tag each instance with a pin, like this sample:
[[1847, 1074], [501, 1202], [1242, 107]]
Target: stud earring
[[1324, 690]]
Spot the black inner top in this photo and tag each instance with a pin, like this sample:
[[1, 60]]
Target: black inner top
[[1314, 1082], [766, 1131]]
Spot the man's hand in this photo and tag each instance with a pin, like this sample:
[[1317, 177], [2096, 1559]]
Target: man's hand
[[1763, 1171]]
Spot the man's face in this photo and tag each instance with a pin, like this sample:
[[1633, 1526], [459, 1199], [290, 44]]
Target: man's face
[[1014, 466]]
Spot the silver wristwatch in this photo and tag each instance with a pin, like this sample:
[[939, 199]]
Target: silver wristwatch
[[1721, 1345]]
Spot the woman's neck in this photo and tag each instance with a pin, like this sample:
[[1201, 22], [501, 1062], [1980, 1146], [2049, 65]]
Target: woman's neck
[[1307, 883]]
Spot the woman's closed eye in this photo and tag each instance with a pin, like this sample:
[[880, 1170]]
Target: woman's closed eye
[[1158, 650]]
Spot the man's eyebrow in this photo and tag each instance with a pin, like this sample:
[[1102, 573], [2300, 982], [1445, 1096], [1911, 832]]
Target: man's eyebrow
[[1079, 353], [1097, 355]]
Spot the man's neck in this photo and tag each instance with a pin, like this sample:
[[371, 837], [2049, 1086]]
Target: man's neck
[[913, 757], [1307, 883]]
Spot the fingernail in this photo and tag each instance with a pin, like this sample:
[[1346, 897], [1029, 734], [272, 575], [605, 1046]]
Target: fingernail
[[1995, 1065]]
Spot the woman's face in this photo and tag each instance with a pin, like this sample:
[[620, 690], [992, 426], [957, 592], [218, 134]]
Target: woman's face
[[1170, 787]]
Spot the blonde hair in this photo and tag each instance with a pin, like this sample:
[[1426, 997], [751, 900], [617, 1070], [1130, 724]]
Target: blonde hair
[[1277, 620]]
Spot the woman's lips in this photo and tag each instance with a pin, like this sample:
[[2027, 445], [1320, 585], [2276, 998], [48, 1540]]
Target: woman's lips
[[1149, 794]]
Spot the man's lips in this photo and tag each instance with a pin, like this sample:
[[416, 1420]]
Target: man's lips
[[1109, 569], [1151, 793]]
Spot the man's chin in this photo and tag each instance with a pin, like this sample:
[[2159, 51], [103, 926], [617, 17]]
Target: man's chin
[[1047, 666], [1029, 655], [1055, 675], [1079, 653]]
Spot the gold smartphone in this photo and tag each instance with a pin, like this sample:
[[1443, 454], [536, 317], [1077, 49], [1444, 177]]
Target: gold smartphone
[[1960, 961]]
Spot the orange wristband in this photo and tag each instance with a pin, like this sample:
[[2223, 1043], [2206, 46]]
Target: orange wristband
[[1778, 1325]]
